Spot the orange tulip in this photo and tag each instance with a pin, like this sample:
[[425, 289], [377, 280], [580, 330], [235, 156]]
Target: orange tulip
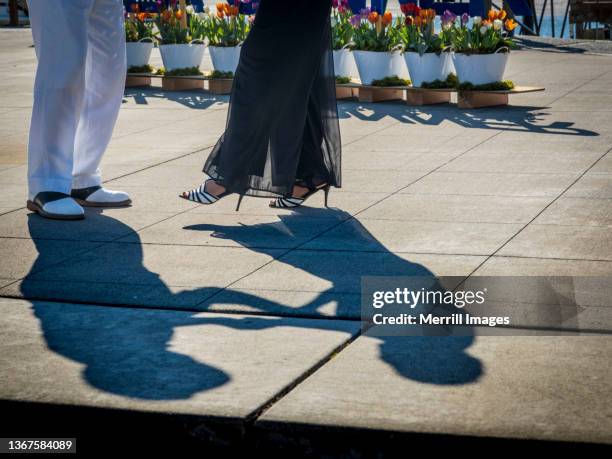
[[234, 10], [220, 14], [178, 14], [227, 9], [427, 14], [166, 15], [510, 24], [387, 18], [142, 16], [418, 21], [219, 6], [501, 15], [373, 17]]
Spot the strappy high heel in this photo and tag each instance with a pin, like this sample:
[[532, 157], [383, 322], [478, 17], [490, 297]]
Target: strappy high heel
[[201, 196], [284, 203]]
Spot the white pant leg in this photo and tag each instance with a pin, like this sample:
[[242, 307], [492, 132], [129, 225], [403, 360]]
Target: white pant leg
[[104, 84], [59, 29]]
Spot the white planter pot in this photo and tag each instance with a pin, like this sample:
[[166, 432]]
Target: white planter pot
[[428, 67], [225, 59], [344, 63], [181, 56], [480, 68], [373, 65], [138, 53]]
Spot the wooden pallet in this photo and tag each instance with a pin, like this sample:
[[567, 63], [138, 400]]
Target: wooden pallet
[[479, 99]]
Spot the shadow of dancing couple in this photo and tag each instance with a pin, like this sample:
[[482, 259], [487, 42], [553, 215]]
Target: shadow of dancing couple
[[126, 351]]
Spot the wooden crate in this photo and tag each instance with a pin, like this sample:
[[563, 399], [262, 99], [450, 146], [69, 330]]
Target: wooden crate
[[133, 80], [422, 96], [219, 86], [380, 94], [182, 83], [346, 92], [479, 99]]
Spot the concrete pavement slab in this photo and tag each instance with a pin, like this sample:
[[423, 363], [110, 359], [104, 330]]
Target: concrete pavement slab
[[341, 272], [517, 266], [416, 236], [517, 162], [377, 181], [492, 184], [150, 360], [592, 185], [556, 241], [98, 225], [23, 256], [604, 165], [119, 273], [234, 230], [577, 211], [511, 387], [457, 209]]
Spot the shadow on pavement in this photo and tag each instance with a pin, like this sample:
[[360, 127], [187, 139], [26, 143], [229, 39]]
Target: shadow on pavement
[[199, 100], [132, 358], [513, 118]]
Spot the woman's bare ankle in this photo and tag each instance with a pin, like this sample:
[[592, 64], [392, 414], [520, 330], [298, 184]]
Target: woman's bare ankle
[[215, 188]]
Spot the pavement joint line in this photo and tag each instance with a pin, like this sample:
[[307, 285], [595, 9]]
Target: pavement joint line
[[297, 247], [539, 213], [251, 418], [182, 309], [577, 87]]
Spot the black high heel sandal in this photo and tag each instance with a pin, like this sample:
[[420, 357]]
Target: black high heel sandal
[[284, 203], [201, 196]]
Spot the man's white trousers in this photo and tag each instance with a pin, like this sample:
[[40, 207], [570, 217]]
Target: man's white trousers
[[80, 46]]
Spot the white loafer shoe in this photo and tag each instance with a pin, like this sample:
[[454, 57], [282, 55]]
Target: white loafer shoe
[[56, 205], [97, 196]]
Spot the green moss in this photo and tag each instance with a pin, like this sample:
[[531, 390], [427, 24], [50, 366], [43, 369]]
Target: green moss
[[189, 71], [218, 74], [343, 80], [451, 82], [505, 85], [391, 81], [140, 69]]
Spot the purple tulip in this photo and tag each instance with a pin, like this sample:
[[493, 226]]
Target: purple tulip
[[365, 12], [465, 18], [448, 17], [355, 20]]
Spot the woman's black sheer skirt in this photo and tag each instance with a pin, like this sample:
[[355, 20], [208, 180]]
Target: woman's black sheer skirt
[[282, 124]]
